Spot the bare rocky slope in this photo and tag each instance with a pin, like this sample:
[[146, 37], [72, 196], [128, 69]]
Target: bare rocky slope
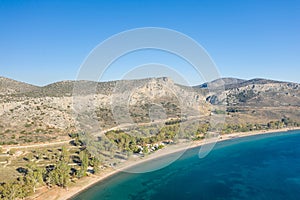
[[37, 114], [257, 100]]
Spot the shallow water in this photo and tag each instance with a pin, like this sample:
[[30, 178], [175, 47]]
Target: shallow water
[[256, 167]]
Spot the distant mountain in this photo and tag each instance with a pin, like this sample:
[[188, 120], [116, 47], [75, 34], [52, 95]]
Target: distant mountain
[[221, 82], [229, 83], [256, 81], [260, 81], [258, 92]]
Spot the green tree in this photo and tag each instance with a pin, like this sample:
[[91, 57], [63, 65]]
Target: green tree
[[25, 189], [95, 163], [60, 175], [12, 151], [84, 158], [145, 150], [34, 176], [77, 141], [271, 125], [10, 191], [65, 155]]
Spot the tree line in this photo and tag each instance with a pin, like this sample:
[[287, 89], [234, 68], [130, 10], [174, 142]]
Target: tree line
[[58, 174]]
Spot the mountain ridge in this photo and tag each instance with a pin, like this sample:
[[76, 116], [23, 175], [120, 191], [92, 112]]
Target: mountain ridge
[[35, 114], [227, 82]]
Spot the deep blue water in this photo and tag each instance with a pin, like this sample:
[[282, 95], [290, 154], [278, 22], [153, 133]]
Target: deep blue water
[[257, 167]]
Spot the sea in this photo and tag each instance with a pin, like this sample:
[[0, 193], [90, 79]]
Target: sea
[[260, 167]]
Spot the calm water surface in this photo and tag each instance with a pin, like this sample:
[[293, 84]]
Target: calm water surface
[[257, 167]]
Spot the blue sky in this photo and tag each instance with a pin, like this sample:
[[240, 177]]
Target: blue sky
[[47, 41]]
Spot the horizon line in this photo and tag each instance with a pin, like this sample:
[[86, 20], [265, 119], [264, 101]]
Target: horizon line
[[106, 81]]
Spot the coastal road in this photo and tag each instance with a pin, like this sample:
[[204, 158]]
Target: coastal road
[[128, 125]]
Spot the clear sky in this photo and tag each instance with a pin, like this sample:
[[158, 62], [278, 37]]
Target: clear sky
[[47, 41]]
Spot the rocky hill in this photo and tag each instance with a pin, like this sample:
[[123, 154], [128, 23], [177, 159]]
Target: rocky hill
[[258, 92], [221, 82], [37, 114], [258, 101], [51, 112], [9, 87]]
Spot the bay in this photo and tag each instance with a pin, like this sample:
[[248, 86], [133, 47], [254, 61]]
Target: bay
[[256, 167]]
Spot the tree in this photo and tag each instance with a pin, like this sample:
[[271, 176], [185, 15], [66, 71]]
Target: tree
[[60, 175], [12, 151], [34, 176], [145, 150], [77, 142], [25, 189], [65, 155], [271, 125], [95, 162], [10, 191], [84, 157]]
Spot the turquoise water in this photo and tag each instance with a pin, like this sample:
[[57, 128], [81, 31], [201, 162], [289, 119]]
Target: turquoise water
[[257, 167]]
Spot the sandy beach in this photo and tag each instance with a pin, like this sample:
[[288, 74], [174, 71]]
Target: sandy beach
[[57, 193]]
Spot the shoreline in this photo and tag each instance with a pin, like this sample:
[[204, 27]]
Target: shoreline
[[87, 182]]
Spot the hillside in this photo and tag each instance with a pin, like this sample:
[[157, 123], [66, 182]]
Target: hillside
[[36, 114], [259, 93], [221, 82], [9, 87], [49, 112]]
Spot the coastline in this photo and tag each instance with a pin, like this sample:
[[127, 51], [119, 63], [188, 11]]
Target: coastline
[[87, 182]]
